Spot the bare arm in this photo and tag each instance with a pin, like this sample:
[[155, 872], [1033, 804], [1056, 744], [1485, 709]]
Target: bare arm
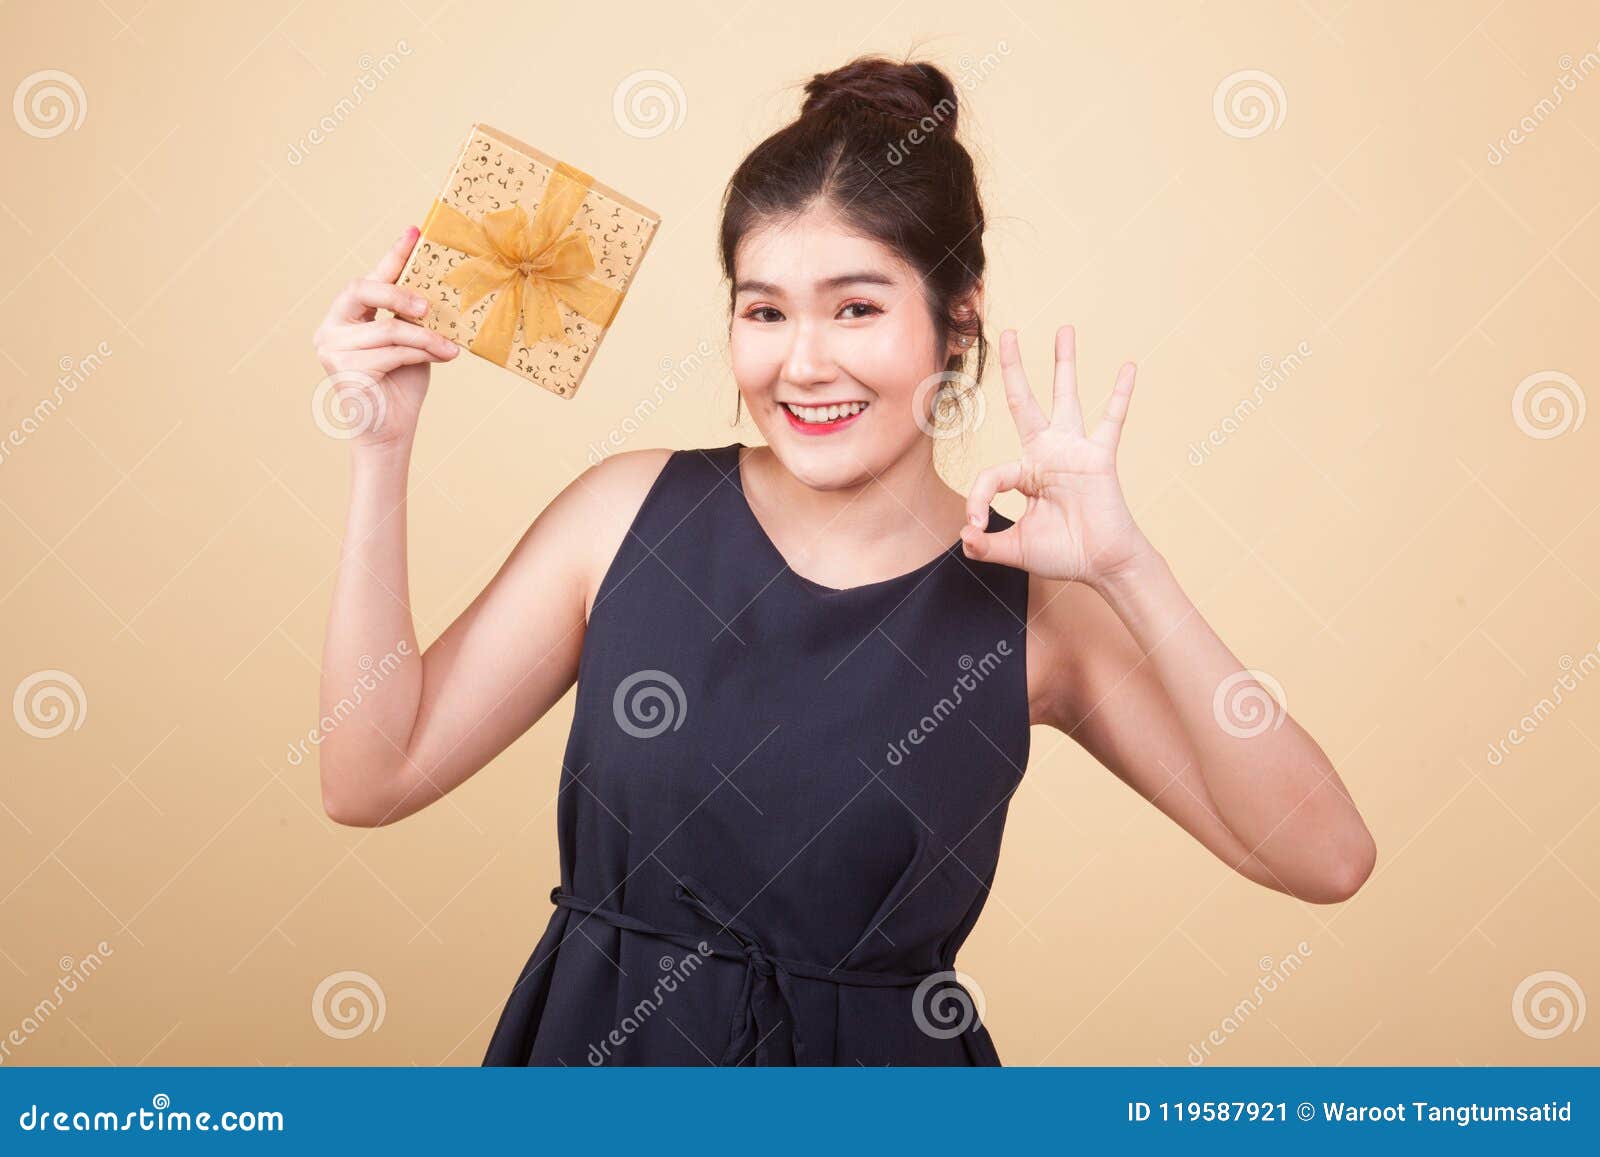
[[402, 728], [1121, 659], [1269, 805], [433, 719]]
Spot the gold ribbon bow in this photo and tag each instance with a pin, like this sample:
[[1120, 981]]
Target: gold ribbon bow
[[527, 265]]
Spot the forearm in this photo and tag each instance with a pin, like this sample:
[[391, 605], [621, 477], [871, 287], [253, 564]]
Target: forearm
[[371, 666], [1273, 785]]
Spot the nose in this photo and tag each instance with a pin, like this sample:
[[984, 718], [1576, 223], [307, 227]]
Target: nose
[[809, 360]]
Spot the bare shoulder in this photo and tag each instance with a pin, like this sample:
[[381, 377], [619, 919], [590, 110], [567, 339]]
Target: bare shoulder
[[1070, 629], [606, 499]]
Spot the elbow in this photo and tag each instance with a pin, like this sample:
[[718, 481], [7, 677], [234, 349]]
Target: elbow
[[351, 813], [347, 803], [1352, 872], [350, 816]]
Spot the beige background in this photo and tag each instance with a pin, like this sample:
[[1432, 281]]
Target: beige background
[[1383, 535]]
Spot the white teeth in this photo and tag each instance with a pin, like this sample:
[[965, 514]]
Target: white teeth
[[825, 413]]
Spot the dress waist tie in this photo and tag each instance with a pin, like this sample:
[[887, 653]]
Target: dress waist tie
[[767, 1000]]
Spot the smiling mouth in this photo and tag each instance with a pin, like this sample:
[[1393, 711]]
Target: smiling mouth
[[824, 416]]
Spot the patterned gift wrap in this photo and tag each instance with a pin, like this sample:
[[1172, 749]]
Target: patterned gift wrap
[[525, 259]]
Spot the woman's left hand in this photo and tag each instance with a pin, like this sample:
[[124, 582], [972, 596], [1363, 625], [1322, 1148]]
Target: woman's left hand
[[1076, 525]]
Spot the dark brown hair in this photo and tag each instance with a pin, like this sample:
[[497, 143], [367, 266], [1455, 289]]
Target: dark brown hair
[[876, 142]]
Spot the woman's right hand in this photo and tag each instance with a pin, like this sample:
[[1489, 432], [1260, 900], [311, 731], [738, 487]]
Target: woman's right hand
[[387, 358]]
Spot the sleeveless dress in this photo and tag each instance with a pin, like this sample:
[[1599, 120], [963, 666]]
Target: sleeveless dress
[[781, 804]]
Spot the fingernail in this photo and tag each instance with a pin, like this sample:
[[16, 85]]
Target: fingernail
[[975, 519], [419, 304], [451, 348]]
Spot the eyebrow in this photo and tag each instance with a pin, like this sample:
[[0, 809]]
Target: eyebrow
[[861, 277]]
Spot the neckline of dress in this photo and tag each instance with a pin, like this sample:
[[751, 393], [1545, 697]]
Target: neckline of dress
[[735, 452]]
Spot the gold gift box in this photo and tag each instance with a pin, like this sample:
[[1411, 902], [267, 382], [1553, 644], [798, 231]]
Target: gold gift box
[[525, 259]]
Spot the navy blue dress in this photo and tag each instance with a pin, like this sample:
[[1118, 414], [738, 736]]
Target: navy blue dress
[[781, 805]]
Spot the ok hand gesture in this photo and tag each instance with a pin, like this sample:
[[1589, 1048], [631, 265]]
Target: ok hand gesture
[[1077, 525]]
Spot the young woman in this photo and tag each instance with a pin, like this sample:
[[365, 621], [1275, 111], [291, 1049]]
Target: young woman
[[806, 671]]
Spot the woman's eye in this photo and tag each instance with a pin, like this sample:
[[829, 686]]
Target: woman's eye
[[766, 313]]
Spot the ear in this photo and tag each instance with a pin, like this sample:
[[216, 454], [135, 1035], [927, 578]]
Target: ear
[[969, 308]]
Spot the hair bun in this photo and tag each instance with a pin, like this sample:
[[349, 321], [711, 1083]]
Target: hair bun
[[912, 91]]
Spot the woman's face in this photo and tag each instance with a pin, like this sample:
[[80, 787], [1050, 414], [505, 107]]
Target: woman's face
[[825, 318]]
